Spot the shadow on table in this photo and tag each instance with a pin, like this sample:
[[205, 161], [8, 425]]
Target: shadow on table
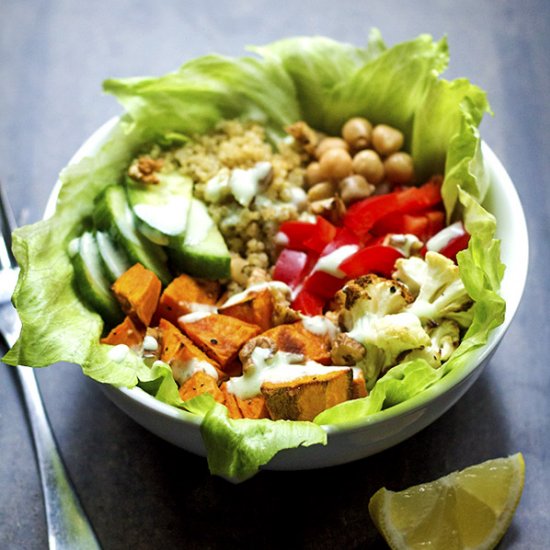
[[146, 493]]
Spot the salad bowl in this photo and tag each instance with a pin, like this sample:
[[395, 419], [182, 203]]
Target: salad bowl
[[346, 443], [322, 83]]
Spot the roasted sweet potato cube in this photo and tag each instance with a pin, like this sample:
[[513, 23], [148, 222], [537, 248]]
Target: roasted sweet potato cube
[[138, 291], [254, 407], [186, 295], [256, 308], [305, 397], [295, 338], [359, 387], [230, 401], [220, 336], [129, 332], [179, 351], [198, 384]]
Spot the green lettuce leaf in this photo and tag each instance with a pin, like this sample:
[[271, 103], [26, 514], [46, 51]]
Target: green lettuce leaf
[[456, 104], [312, 78], [249, 444], [206, 90]]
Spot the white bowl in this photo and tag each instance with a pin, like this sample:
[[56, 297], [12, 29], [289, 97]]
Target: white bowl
[[391, 426]]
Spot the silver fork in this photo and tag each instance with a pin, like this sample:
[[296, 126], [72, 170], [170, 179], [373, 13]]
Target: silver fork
[[68, 526]]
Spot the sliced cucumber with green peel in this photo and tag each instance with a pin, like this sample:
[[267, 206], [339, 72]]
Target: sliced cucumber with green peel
[[90, 279], [114, 259], [161, 208], [113, 215], [202, 252]]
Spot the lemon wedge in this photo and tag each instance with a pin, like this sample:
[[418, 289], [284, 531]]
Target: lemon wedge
[[469, 509]]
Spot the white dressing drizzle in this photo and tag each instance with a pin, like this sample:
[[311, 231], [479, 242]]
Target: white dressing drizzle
[[195, 307], [280, 239], [118, 353], [150, 343], [331, 262], [182, 371], [245, 184], [445, 236], [194, 316], [217, 188], [320, 326]]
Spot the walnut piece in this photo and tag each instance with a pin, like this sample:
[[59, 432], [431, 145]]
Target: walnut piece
[[305, 136], [346, 350], [245, 355], [145, 169]]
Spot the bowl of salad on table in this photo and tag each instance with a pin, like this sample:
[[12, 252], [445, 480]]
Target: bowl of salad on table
[[288, 260]]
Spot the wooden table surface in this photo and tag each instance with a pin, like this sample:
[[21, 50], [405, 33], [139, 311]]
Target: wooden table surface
[[140, 491]]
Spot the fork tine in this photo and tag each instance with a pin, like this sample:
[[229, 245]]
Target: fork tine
[[7, 222]]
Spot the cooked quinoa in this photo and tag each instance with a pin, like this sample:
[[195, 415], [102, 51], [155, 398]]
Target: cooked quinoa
[[248, 231]]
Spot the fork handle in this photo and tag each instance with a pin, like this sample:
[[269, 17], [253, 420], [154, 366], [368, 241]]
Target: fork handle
[[68, 526]]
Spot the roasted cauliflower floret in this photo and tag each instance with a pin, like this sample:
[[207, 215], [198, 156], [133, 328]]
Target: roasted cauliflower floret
[[411, 272], [375, 315], [440, 291], [372, 295], [445, 338]]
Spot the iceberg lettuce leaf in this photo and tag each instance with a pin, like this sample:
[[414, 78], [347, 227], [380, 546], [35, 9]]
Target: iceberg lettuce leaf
[[458, 106], [237, 448], [206, 90]]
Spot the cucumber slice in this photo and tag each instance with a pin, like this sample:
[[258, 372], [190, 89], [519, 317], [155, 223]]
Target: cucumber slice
[[202, 252], [113, 215], [90, 279], [161, 208], [114, 260]]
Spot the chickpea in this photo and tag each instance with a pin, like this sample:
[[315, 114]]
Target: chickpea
[[336, 164], [354, 188], [357, 133], [314, 174], [368, 164], [387, 140], [399, 168], [320, 191], [330, 143]]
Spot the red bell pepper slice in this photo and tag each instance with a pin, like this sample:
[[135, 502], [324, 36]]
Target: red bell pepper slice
[[362, 215], [378, 259], [436, 222], [308, 303], [323, 233], [324, 284], [424, 225], [290, 267], [296, 233], [455, 246], [342, 237], [321, 282]]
